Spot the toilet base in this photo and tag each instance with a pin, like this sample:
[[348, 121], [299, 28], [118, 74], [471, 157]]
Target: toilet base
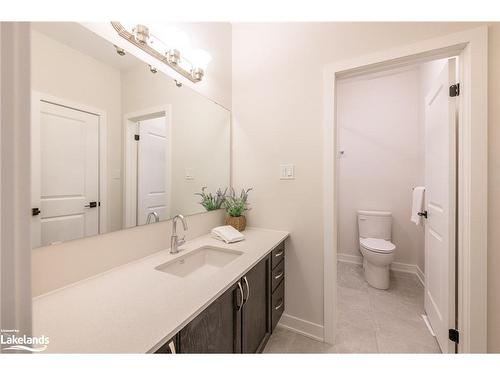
[[376, 276]]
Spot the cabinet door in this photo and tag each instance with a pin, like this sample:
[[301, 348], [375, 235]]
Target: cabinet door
[[170, 347], [256, 329], [217, 329]]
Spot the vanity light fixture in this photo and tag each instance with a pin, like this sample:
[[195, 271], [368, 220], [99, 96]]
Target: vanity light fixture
[[141, 37]]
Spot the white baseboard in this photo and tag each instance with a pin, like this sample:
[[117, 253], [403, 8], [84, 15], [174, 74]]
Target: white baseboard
[[348, 258], [395, 266], [421, 276], [303, 327]]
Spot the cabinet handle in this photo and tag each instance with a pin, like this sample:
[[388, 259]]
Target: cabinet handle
[[279, 306], [277, 255], [278, 276], [240, 288], [171, 345], [248, 289]]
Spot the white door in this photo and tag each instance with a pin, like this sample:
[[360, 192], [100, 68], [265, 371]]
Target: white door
[[152, 169], [65, 170], [440, 181]]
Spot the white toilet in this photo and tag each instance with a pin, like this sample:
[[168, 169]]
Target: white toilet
[[376, 246]]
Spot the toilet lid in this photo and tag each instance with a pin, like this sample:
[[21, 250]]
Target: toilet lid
[[377, 244]]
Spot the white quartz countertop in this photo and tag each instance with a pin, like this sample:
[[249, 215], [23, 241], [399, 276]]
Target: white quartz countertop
[[135, 308]]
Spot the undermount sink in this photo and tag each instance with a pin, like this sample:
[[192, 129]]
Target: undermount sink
[[202, 261]]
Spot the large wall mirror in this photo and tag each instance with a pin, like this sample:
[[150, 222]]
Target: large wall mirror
[[114, 143]]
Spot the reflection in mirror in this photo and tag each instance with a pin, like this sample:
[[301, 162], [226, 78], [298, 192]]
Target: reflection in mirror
[[114, 144]]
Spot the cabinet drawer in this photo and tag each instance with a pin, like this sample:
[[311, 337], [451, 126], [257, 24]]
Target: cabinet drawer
[[278, 304], [277, 275], [278, 254]]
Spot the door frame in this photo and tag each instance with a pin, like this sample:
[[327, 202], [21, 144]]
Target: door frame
[[130, 160], [472, 48], [36, 98]]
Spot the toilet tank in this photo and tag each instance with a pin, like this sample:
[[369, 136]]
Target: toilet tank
[[375, 224]]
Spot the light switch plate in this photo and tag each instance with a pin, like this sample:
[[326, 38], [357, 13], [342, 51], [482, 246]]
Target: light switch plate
[[287, 172], [116, 174], [189, 174]]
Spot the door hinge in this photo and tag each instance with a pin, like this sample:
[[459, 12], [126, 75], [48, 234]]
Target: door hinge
[[454, 335], [455, 90], [137, 137], [423, 214], [35, 211]]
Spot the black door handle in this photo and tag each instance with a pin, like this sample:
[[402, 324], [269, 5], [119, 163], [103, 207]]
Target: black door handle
[[424, 214], [91, 205]]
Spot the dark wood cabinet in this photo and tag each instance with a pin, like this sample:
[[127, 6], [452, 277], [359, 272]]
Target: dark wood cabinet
[[170, 347], [278, 304], [277, 284], [243, 317], [217, 329], [254, 315]]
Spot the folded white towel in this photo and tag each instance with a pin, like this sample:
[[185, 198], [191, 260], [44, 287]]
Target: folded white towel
[[417, 204]]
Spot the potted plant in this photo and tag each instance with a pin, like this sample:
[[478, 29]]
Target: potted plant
[[212, 202], [235, 208]]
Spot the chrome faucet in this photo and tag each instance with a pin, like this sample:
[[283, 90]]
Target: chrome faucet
[[174, 241], [153, 214]]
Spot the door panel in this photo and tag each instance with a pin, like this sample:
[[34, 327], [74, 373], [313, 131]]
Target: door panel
[[66, 147], [215, 330], [153, 172], [440, 181], [255, 324]]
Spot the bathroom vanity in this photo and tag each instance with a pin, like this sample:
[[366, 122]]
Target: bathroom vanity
[[211, 297], [137, 151]]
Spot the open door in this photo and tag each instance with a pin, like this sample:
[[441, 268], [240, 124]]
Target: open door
[[153, 175], [440, 226], [65, 174]]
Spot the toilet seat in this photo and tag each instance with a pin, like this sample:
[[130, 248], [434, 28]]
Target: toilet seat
[[377, 245]]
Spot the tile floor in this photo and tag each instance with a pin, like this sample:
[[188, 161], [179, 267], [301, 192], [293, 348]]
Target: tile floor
[[369, 320]]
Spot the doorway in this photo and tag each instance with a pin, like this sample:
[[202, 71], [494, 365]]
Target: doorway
[[471, 47], [148, 153], [395, 142], [68, 178]]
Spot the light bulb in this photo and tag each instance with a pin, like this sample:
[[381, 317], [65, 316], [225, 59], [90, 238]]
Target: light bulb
[[171, 37], [199, 58]]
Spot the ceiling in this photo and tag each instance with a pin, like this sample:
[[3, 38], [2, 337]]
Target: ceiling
[[78, 37]]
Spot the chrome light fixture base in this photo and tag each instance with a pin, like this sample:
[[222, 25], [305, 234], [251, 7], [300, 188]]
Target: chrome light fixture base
[[197, 74], [141, 34], [172, 58]]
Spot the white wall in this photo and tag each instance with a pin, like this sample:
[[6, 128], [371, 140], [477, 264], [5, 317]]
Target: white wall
[[381, 135], [494, 189], [200, 134], [68, 74], [15, 245], [277, 118]]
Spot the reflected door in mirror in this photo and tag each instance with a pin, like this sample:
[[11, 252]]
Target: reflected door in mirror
[[65, 174], [153, 177]]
